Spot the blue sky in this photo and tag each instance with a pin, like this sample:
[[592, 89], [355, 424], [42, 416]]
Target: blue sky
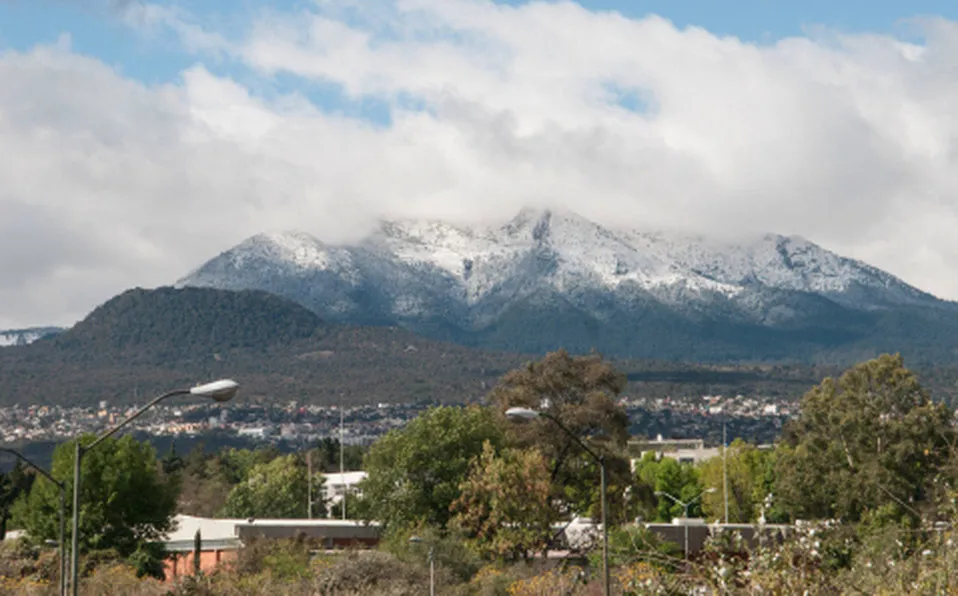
[[95, 30]]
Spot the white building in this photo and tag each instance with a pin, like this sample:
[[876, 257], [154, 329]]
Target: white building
[[336, 485], [691, 451]]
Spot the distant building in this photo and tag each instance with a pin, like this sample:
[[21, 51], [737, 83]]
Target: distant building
[[691, 451], [338, 485], [259, 432], [220, 539]]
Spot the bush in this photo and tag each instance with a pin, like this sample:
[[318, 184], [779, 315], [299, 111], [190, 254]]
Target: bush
[[149, 560], [117, 578], [451, 550], [288, 558], [560, 580], [491, 580], [373, 572]]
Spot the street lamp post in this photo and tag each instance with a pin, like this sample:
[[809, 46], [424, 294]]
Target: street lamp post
[[685, 506], [63, 503], [529, 414], [432, 565], [221, 391]]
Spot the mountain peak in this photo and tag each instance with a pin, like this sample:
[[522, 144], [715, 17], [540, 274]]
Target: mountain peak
[[470, 282]]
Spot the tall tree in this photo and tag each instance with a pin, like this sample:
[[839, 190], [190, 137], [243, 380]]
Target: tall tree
[[579, 392], [666, 475], [124, 502], [326, 456], [872, 439], [276, 489], [415, 473], [172, 462], [748, 483], [14, 485], [505, 503]]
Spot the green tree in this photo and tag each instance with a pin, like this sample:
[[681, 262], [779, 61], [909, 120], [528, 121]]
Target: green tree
[[666, 475], [748, 483], [579, 392], [14, 485], [236, 464], [505, 503], [356, 507], [207, 479], [124, 502], [871, 440], [415, 473], [326, 455], [172, 462], [276, 489]]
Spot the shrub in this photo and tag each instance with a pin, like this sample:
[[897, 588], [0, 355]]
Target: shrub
[[288, 558], [555, 581], [373, 572]]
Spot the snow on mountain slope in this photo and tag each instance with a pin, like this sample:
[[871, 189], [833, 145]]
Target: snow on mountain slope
[[442, 279], [582, 254], [788, 263], [22, 337]]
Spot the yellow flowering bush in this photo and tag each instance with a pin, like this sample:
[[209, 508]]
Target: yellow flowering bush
[[551, 583]]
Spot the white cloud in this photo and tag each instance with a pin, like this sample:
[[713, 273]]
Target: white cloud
[[847, 140]]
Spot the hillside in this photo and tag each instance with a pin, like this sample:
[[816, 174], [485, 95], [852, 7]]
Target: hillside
[[147, 341], [547, 279], [144, 342]]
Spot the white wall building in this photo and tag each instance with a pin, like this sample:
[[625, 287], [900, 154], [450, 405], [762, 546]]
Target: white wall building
[[336, 485]]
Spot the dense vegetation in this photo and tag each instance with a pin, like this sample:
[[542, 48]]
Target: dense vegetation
[[868, 468], [147, 341], [822, 332]]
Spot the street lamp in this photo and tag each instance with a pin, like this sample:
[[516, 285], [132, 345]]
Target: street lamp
[[529, 414], [220, 391], [63, 517], [685, 506], [432, 565]]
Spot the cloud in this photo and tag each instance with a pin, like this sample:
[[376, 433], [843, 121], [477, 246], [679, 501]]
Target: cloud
[[845, 139]]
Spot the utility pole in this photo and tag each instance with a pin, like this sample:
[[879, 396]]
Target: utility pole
[[342, 470], [724, 465], [309, 482]]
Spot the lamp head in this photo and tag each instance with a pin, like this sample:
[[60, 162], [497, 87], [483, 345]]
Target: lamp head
[[711, 490], [415, 539], [521, 414], [221, 391]]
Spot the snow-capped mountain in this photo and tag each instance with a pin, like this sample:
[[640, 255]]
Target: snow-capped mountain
[[551, 278], [22, 337]]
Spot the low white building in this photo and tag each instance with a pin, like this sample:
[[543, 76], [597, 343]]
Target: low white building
[[691, 451], [337, 484]]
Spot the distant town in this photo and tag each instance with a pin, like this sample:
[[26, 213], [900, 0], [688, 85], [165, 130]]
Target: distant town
[[753, 417]]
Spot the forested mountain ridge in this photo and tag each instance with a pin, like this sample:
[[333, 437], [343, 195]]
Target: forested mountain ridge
[[149, 341]]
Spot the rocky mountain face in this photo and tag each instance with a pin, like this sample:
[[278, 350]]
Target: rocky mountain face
[[549, 279]]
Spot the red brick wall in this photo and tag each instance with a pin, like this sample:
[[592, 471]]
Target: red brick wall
[[178, 564]]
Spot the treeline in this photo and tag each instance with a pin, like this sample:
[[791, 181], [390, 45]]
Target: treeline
[[144, 342], [866, 474]]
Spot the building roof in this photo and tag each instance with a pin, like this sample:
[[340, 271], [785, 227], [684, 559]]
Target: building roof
[[223, 534], [214, 533], [344, 477]]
